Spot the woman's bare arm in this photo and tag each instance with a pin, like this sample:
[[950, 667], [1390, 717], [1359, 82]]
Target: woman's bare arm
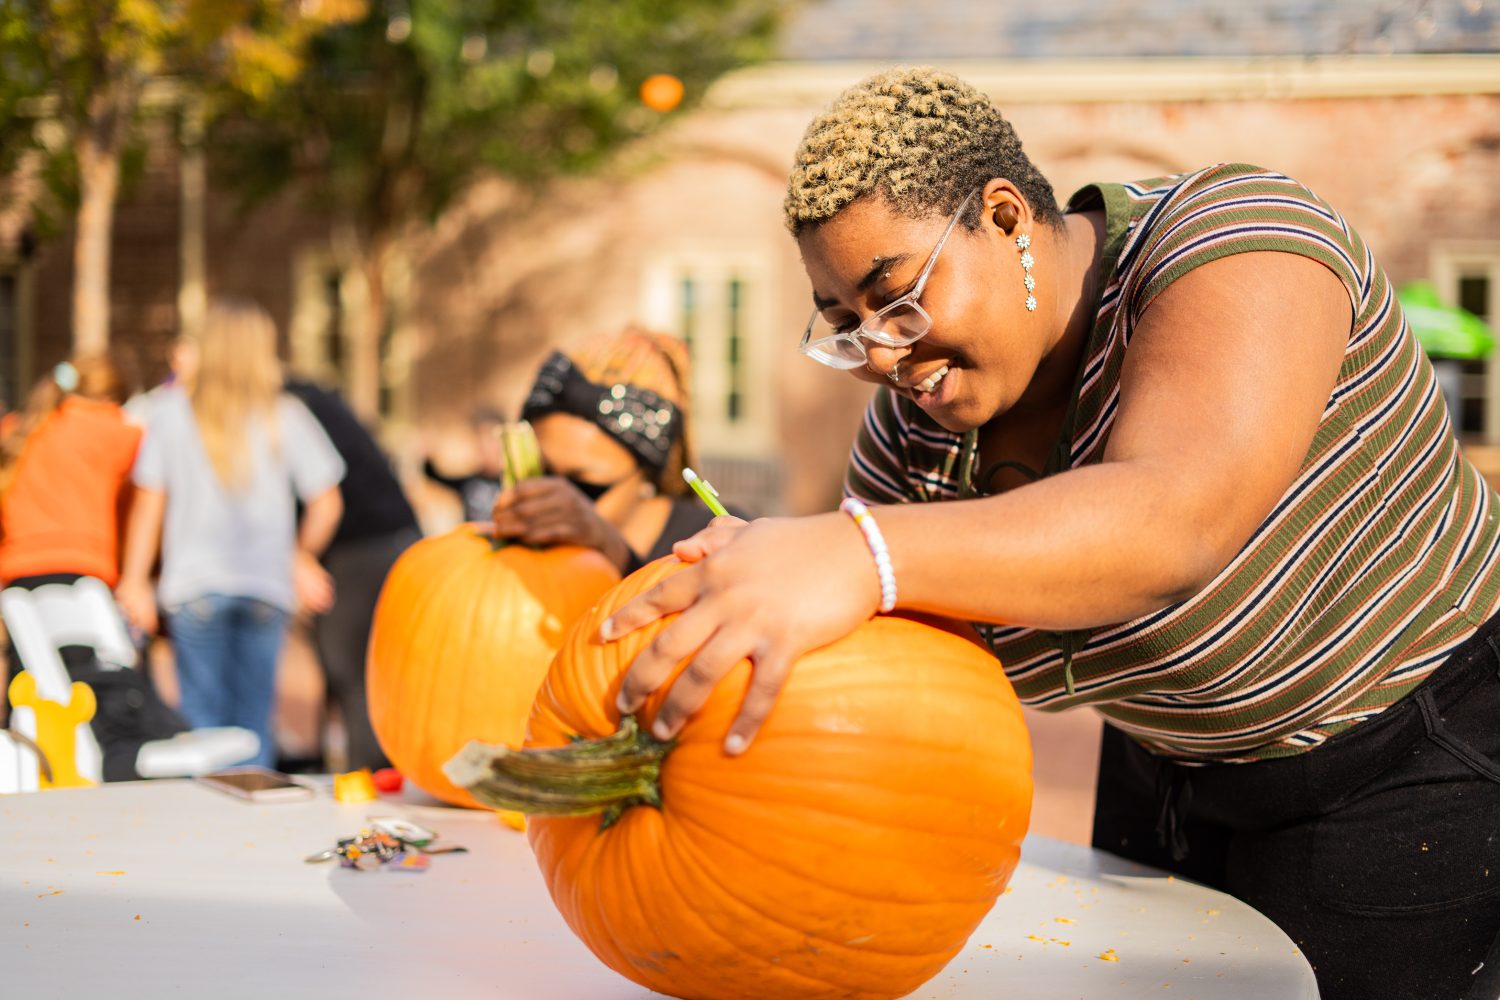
[[1228, 376]]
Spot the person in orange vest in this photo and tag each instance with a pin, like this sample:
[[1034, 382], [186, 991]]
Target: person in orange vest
[[65, 461]]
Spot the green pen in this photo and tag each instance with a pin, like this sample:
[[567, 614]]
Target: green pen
[[706, 492]]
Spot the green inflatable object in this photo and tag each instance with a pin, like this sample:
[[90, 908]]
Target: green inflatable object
[[1443, 331]]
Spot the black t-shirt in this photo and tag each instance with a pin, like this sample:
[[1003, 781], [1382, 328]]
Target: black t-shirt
[[688, 517], [374, 503], [477, 492]]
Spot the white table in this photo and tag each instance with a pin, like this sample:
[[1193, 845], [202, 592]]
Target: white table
[[167, 888]]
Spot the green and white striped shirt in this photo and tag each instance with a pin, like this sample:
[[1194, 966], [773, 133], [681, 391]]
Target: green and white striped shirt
[[1377, 562]]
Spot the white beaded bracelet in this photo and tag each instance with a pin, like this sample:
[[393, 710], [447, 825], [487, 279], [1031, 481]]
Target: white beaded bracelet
[[882, 553]]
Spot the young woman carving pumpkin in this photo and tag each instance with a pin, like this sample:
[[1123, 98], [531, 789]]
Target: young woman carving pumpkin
[[1175, 450]]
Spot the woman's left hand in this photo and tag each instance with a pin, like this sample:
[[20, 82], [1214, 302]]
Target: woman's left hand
[[778, 588]]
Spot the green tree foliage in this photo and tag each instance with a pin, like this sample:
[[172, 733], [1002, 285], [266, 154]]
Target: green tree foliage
[[397, 112], [72, 77]]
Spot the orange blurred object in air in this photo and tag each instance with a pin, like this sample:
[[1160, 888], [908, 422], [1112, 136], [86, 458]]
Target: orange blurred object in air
[[661, 92]]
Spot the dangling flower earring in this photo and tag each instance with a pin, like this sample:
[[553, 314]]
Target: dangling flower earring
[[1023, 244]]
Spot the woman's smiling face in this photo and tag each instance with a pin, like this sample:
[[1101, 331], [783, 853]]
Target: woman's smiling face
[[983, 346]]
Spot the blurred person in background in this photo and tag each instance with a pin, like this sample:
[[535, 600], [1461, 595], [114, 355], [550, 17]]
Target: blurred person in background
[[226, 456], [612, 424], [65, 488], [377, 526], [181, 357], [478, 489], [65, 463]]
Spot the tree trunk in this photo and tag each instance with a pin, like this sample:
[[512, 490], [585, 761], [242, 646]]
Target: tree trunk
[[99, 182], [192, 284], [97, 142], [364, 351], [381, 225]]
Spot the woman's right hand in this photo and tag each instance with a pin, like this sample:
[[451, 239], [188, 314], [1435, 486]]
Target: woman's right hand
[[137, 599]]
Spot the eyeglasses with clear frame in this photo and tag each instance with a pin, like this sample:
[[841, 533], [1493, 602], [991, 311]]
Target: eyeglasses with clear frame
[[899, 323]]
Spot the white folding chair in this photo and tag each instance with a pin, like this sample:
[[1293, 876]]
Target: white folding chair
[[44, 619], [27, 615], [83, 614]]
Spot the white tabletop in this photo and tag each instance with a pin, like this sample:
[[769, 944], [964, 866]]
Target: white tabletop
[[167, 888]]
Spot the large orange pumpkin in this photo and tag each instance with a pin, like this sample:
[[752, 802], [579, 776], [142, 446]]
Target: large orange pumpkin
[[462, 637], [850, 852]]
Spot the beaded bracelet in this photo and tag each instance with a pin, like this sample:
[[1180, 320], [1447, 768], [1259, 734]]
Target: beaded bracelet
[[876, 541]]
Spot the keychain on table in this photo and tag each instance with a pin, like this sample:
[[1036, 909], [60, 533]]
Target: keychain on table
[[388, 840]]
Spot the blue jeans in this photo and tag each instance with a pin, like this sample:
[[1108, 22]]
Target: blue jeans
[[226, 649]]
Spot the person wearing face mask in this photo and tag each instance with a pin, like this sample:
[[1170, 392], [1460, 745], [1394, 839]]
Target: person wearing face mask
[[1174, 450], [478, 488], [612, 424]]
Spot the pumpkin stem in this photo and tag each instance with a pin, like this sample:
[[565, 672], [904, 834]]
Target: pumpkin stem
[[608, 775]]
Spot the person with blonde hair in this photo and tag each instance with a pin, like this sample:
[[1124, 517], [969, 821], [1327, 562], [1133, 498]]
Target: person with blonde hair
[[227, 455], [612, 424], [1175, 452]]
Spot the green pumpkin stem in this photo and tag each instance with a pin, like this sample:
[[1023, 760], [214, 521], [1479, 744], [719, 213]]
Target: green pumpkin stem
[[511, 477], [606, 776]]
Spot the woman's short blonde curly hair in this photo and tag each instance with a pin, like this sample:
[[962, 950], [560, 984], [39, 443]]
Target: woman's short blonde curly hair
[[920, 138]]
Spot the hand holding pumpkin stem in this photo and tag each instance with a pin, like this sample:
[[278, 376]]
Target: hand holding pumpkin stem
[[551, 511], [770, 592]]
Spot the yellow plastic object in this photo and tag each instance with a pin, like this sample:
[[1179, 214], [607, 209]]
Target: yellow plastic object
[[514, 820], [56, 728], [354, 786]]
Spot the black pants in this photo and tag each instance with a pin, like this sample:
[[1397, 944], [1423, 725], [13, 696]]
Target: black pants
[[1378, 852], [358, 569]]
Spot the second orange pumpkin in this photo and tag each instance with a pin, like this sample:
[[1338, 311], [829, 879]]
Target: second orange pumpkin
[[462, 637]]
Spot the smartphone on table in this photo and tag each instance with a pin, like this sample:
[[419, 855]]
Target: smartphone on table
[[258, 784]]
